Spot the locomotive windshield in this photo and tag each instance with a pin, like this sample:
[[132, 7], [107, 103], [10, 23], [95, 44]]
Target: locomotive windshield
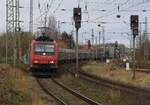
[[44, 48]]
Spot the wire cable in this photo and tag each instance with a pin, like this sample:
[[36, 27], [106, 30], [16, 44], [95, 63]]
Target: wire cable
[[114, 12], [42, 14], [58, 6], [51, 3]]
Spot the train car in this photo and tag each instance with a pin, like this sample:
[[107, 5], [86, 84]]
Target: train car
[[43, 54]]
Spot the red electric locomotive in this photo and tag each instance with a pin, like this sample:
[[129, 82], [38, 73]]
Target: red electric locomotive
[[43, 54]]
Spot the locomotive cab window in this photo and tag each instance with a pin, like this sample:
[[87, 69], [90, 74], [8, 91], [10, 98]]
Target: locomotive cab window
[[44, 48]]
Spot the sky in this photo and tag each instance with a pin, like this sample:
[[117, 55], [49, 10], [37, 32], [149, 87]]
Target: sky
[[116, 29]]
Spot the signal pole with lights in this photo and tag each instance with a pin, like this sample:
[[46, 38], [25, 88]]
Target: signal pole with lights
[[134, 19], [77, 18]]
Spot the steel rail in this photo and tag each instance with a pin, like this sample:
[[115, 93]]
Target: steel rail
[[49, 93], [113, 84], [84, 98], [116, 85], [144, 70]]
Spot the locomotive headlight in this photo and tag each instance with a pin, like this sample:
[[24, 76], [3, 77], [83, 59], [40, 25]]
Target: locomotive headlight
[[51, 62], [44, 53], [36, 61]]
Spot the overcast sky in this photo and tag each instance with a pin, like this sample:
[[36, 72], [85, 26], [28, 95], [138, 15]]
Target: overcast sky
[[113, 26]]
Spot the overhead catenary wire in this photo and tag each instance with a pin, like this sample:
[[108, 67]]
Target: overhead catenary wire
[[51, 3], [108, 4], [42, 14], [112, 9], [105, 15], [140, 3], [107, 12], [58, 6], [127, 1], [114, 12]]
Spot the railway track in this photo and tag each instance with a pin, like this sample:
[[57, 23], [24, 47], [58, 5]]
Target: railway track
[[49, 92], [83, 99], [112, 84], [115, 85], [145, 70]]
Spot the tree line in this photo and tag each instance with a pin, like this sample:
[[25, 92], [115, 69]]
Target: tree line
[[25, 39]]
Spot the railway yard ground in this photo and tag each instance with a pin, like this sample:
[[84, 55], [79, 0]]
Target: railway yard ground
[[18, 88], [106, 92], [113, 72], [93, 91]]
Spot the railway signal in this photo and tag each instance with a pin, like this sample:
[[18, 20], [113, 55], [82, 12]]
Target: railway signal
[[134, 24], [89, 44], [77, 18], [134, 28]]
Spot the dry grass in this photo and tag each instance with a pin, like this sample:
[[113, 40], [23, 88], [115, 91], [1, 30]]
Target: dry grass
[[113, 72], [95, 92], [16, 88]]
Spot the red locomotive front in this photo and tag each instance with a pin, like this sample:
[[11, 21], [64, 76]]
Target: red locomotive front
[[43, 55]]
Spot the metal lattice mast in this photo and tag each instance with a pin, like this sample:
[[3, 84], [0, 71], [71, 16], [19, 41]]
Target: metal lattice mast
[[17, 38], [9, 16], [12, 24], [17, 16], [9, 22], [31, 17]]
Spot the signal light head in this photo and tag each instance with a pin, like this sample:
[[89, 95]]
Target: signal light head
[[79, 13], [36, 61], [52, 62]]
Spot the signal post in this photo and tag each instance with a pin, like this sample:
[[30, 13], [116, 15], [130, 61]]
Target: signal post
[[77, 19], [134, 19]]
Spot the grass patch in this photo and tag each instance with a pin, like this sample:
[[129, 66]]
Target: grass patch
[[95, 92], [17, 88], [116, 73]]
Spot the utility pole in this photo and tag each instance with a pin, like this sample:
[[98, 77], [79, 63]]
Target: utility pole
[[133, 77], [77, 54], [13, 25], [9, 22], [99, 44], [58, 30], [103, 38], [31, 17], [103, 30], [16, 33], [140, 33], [134, 28], [146, 41], [99, 39], [77, 18], [96, 46], [17, 42], [92, 37]]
